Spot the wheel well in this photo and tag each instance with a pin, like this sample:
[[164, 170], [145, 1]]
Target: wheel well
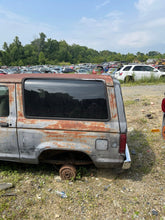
[[60, 157], [128, 79], [162, 77]]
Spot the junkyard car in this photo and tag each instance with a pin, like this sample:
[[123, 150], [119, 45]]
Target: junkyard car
[[63, 119], [136, 72]]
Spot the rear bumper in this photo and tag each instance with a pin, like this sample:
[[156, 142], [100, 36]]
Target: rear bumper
[[127, 161]]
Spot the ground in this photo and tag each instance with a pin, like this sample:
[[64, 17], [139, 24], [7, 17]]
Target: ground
[[138, 193]]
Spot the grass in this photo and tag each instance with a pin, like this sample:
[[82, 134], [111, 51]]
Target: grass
[[96, 194], [145, 81]]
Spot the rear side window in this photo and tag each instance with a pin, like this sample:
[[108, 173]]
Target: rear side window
[[138, 68], [148, 68], [65, 98], [127, 68], [4, 101]]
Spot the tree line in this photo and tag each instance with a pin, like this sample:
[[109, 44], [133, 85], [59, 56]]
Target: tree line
[[50, 51]]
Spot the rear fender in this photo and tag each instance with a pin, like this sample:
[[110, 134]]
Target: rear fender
[[62, 145]]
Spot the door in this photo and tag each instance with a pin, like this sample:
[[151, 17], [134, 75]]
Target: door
[[142, 72], [8, 135]]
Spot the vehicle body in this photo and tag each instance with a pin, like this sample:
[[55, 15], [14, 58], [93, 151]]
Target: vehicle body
[[2, 72], [137, 72], [113, 70], [98, 70], [68, 70], [160, 67], [82, 71], [64, 119]]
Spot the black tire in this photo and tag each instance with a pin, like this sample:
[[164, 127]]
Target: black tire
[[128, 79], [162, 78]]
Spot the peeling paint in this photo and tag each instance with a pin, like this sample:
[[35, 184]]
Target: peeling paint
[[27, 138]]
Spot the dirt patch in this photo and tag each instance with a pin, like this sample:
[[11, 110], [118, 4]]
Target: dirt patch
[[138, 193]]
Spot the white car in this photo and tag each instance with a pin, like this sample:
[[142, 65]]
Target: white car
[[135, 72]]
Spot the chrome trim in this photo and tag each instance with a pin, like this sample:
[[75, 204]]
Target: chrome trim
[[127, 161]]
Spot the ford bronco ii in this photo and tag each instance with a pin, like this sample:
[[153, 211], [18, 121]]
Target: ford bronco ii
[[63, 119]]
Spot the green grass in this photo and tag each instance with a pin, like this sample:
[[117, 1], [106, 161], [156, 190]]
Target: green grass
[[145, 81]]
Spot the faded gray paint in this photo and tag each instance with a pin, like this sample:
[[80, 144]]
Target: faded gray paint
[[25, 139]]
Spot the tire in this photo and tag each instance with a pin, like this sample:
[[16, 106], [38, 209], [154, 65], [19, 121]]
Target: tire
[[128, 79], [67, 172], [162, 78]]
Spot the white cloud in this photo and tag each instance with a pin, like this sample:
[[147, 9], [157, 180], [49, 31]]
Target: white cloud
[[150, 7], [102, 4], [135, 39], [5, 14], [156, 23], [144, 5], [114, 14], [15, 25]]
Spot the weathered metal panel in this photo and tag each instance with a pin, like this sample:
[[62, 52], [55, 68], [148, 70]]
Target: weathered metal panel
[[8, 137], [37, 135], [18, 78], [34, 142]]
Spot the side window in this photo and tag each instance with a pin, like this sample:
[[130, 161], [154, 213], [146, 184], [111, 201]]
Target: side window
[[137, 68], [65, 98], [148, 68], [127, 68], [4, 101]]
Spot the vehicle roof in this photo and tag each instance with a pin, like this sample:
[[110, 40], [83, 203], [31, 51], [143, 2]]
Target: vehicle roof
[[18, 78], [137, 65]]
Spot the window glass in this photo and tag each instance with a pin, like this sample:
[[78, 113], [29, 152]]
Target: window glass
[[4, 101], [138, 68], [148, 68], [127, 68], [61, 98]]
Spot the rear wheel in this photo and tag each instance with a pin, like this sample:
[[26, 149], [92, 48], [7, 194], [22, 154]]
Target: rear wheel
[[162, 78], [128, 79], [67, 172]]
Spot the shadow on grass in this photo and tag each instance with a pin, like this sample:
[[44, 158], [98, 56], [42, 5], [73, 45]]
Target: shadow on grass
[[142, 159], [11, 168]]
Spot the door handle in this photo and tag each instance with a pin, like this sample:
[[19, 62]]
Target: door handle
[[4, 124]]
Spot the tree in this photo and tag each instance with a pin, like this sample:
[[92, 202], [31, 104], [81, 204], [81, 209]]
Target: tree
[[15, 50], [39, 43], [41, 58]]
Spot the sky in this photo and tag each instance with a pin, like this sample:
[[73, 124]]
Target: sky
[[122, 26]]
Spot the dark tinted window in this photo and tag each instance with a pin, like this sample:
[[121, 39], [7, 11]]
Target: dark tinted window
[[127, 68], [138, 68], [148, 68], [61, 98], [4, 101]]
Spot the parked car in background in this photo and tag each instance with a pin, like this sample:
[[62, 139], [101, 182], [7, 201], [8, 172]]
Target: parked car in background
[[2, 72], [82, 71], [68, 70], [161, 68], [113, 70], [136, 72], [98, 70]]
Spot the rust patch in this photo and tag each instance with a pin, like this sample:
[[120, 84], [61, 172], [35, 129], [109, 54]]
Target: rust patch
[[18, 78], [79, 125], [112, 103]]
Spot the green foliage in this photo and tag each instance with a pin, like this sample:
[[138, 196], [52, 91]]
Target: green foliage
[[42, 50], [41, 58]]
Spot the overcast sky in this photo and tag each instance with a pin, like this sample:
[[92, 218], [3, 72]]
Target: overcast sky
[[124, 26]]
